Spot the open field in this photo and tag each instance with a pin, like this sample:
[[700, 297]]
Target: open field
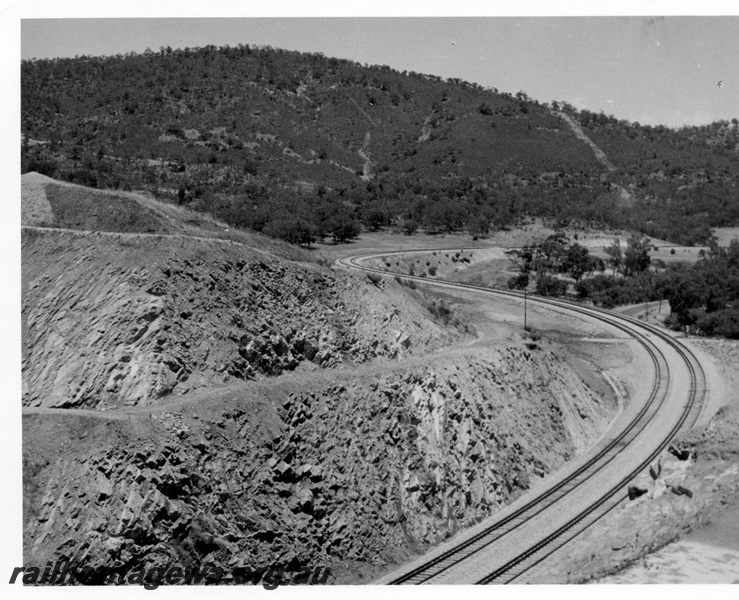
[[482, 262], [498, 270], [726, 234]]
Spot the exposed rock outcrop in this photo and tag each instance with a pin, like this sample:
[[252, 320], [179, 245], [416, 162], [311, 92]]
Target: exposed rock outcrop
[[354, 472], [111, 319]]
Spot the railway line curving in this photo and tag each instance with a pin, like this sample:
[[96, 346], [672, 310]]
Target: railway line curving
[[440, 567]]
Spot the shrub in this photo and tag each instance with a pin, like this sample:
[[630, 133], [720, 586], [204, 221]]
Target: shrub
[[721, 322], [410, 226], [374, 278], [85, 177], [175, 129], [519, 282], [546, 285], [44, 167], [440, 310]]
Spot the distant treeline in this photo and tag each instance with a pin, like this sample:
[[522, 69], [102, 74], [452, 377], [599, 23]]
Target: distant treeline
[[303, 146], [703, 297]]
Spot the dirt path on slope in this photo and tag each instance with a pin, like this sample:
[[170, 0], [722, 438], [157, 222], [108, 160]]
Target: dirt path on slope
[[600, 156]]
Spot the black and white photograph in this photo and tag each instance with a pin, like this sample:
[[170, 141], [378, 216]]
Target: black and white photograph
[[347, 295]]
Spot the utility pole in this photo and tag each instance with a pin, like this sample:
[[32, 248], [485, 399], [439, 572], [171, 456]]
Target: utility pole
[[525, 328]]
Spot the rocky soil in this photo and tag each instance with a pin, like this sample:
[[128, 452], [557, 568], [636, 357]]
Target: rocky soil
[[356, 472], [116, 319], [703, 461]]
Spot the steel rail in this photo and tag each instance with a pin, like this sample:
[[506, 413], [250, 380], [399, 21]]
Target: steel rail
[[595, 464], [543, 549]]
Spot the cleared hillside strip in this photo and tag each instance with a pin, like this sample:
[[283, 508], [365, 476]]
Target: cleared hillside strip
[[577, 130]]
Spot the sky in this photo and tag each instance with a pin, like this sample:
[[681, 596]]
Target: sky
[[641, 68]]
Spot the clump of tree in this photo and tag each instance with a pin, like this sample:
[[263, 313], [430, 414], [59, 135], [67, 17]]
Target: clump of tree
[[631, 280], [578, 262], [615, 254], [519, 282], [546, 285], [610, 291], [293, 231], [636, 257], [343, 228], [704, 297], [553, 256]]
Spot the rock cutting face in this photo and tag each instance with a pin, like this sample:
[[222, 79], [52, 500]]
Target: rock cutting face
[[334, 468], [111, 319], [250, 410]]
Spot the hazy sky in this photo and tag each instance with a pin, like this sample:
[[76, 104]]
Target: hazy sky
[[648, 69], [643, 69], [638, 68]]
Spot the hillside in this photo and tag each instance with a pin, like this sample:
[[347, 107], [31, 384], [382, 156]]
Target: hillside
[[203, 397], [691, 172], [255, 135], [125, 318], [354, 471]]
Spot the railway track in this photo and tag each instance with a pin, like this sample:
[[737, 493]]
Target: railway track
[[601, 456]]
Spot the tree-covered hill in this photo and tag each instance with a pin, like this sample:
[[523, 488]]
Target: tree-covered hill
[[689, 174], [266, 138]]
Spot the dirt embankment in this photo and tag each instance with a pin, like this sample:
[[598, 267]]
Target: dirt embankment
[[111, 319], [633, 544], [665, 514], [48, 203], [356, 471], [443, 264]]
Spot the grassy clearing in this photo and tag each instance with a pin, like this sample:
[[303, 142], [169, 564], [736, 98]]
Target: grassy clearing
[[726, 234], [87, 209], [80, 208]]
